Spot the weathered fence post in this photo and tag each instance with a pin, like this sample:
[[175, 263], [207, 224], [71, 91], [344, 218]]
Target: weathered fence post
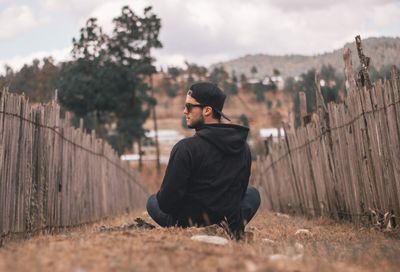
[[303, 108], [348, 72], [320, 106], [363, 79]]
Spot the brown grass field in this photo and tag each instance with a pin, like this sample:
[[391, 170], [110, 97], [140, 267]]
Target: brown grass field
[[330, 247]]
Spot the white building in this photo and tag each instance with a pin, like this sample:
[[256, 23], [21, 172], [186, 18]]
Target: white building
[[276, 133], [165, 136]]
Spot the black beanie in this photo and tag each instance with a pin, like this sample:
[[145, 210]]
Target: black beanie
[[209, 94]]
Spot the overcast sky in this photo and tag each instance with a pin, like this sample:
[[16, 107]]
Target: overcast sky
[[200, 31]]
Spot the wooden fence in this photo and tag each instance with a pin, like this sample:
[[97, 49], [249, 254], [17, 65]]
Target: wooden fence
[[53, 175], [343, 163]]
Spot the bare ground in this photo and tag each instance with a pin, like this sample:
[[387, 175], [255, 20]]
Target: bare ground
[[329, 247]]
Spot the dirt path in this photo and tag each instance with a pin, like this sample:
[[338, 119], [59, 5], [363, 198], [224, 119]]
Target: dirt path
[[272, 245]]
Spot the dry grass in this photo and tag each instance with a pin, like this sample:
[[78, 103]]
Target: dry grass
[[332, 247]]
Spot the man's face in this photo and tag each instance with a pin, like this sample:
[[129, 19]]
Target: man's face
[[194, 118]]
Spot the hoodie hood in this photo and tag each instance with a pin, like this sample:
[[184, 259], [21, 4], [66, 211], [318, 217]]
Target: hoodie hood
[[230, 139]]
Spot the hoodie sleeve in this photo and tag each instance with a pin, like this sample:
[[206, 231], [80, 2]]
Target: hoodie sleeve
[[245, 180], [176, 179]]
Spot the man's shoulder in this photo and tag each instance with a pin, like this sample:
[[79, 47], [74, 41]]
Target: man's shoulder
[[188, 142]]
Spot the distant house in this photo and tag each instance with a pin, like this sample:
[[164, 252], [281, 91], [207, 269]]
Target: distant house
[[253, 80], [165, 136], [266, 80], [277, 80], [275, 133]]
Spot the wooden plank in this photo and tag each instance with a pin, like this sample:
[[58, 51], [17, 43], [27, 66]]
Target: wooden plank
[[354, 158], [349, 183], [303, 107], [385, 171], [348, 71], [3, 128], [392, 146]]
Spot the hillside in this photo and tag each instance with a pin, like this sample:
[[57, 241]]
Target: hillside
[[383, 52]]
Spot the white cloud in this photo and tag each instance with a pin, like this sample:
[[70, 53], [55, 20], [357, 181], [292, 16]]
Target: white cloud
[[205, 15], [386, 15], [170, 60], [14, 20], [295, 5], [107, 11], [80, 6]]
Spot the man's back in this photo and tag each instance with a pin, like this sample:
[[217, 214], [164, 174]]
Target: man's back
[[208, 174]]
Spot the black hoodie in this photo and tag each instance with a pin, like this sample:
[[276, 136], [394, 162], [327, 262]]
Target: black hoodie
[[207, 176]]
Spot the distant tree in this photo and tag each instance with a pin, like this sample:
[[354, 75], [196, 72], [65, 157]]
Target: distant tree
[[171, 88], [244, 82], [271, 86], [333, 84], [92, 42], [218, 76], [233, 75], [290, 85], [130, 47], [24, 80], [328, 72], [296, 109], [382, 73], [253, 71], [244, 120], [259, 92], [83, 89], [373, 73], [194, 69], [235, 79], [174, 72], [47, 79], [269, 104], [276, 72], [37, 80], [190, 81], [230, 88]]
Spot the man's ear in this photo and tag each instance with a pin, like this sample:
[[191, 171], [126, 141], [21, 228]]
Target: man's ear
[[207, 111]]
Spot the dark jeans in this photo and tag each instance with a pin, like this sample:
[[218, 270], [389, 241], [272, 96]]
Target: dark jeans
[[249, 206]]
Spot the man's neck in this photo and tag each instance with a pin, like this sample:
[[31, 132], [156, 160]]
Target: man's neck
[[212, 121]]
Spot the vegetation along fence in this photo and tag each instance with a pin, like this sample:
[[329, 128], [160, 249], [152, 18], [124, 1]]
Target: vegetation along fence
[[54, 175], [343, 163]]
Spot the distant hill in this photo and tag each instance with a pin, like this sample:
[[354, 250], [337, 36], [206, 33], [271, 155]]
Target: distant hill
[[382, 51]]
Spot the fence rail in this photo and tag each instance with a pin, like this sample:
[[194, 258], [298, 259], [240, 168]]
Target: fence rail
[[54, 175], [344, 163]]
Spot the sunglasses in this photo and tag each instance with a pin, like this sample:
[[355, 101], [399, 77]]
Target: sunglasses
[[189, 106]]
